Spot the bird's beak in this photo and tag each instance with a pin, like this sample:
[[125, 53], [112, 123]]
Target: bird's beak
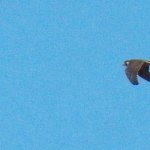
[[123, 64]]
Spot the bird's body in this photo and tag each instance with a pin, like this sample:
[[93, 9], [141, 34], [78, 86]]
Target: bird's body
[[136, 67]]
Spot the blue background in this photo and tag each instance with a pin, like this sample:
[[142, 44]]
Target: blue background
[[62, 83]]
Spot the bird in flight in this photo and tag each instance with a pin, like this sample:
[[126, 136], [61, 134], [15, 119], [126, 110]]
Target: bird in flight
[[136, 67]]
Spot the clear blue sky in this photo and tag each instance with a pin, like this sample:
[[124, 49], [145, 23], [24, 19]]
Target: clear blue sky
[[62, 84]]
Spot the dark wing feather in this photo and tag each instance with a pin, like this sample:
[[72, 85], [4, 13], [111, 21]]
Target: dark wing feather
[[144, 72], [132, 71], [131, 76]]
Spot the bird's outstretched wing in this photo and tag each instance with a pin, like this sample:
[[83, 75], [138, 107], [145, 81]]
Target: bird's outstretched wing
[[131, 76], [132, 71]]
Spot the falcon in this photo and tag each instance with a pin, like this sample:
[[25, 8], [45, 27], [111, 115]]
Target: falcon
[[136, 67]]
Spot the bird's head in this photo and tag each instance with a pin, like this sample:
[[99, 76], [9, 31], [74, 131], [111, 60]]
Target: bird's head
[[126, 63]]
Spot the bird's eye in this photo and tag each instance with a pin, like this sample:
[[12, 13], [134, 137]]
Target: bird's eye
[[127, 63]]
